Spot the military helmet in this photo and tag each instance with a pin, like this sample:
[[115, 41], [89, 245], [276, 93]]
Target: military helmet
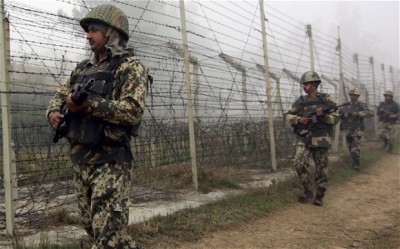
[[110, 15], [355, 91], [389, 93], [310, 77]]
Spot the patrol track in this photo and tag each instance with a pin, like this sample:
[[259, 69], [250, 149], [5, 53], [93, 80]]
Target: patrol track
[[361, 213]]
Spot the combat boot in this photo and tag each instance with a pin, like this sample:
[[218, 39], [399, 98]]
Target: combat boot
[[307, 195], [390, 148], [385, 144], [319, 196], [356, 166]]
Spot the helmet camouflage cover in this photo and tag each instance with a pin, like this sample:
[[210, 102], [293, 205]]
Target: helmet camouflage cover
[[310, 77], [355, 91], [389, 93], [110, 15]]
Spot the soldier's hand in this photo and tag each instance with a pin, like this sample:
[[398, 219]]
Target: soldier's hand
[[54, 119], [355, 114], [319, 112], [392, 115], [304, 121], [75, 108]]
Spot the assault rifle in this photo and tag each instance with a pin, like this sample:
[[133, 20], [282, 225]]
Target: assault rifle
[[385, 113], [348, 121], [301, 129], [347, 112], [77, 97], [385, 116]]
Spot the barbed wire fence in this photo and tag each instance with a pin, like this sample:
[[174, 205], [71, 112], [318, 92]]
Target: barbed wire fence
[[228, 88]]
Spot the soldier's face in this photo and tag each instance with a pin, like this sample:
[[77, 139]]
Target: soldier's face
[[97, 39], [353, 97], [308, 87], [388, 98]]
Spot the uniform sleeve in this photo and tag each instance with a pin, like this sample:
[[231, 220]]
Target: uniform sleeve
[[291, 114], [397, 107], [379, 110], [127, 108], [58, 99]]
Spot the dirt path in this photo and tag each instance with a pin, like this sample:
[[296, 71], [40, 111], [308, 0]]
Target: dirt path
[[361, 213]]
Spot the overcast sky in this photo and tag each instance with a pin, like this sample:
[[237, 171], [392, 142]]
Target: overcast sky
[[369, 28]]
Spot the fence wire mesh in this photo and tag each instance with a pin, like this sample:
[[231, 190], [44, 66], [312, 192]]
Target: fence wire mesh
[[228, 89]]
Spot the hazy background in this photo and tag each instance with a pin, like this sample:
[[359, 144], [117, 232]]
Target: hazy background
[[228, 83], [370, 28]]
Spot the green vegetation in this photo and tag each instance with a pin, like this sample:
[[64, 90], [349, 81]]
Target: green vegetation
[[340, 171], [193, 223]]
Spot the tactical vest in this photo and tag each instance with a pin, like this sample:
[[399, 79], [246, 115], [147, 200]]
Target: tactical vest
[[348, 121], [385, 109], [315, 134], [85, 129]]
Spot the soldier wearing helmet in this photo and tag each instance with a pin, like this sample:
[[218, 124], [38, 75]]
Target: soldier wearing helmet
[[389, 113], [313, 127], [352, 123], [101, 124]]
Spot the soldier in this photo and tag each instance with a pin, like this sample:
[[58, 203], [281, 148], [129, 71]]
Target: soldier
[[312, 116], [352, 122], [101, 127], [388, 113]]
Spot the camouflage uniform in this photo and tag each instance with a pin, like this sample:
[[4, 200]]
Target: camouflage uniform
[[388, 126], [100, 138], [354, 127], [313, 139], [315, 142]]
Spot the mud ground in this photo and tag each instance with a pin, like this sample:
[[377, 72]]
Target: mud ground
[[361, 213]]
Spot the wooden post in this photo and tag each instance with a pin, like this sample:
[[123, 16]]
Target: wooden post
[[371, 62], [192, 137], [196, 91], [268, 88], [340, 97], [311, 45], [8, 165], [392, 79], [384, 77]]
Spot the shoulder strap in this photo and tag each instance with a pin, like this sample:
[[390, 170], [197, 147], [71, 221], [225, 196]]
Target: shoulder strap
[[322, 96], [80, 66], [82, 63]]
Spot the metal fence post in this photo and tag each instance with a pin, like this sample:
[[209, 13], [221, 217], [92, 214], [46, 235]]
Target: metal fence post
[[8, 166]]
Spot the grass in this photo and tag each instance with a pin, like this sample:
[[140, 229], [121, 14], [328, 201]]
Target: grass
[[191, 224], [340, 170], [44, 243], [64, 217]]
